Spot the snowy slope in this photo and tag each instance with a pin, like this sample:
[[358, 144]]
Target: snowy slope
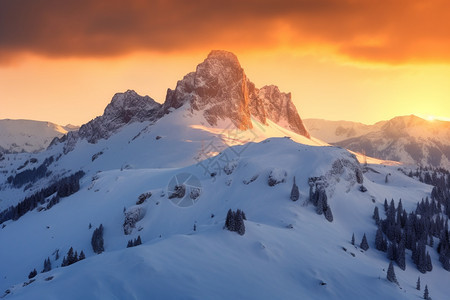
[[28, 135], [270, 261]]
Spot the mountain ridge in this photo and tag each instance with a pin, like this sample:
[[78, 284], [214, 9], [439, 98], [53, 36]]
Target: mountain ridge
[[408, 139], [21, 135], [219, 90]]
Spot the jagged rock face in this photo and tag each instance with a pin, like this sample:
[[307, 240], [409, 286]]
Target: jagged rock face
[[279, 108], [220, 88], [124, 108]]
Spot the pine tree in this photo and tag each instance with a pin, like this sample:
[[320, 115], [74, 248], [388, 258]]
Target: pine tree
[[82, 256], [320, 206], [130, 244], [295, 195], [364, 245], [329, 214], [70, 257], [391, 273], [418, 284], [97, 240], [47, 265], [429, 265], [353, 239], [425, 293], [376, 215], [138, 241], [379, 240], [229, 221], [401, 256], [240, 227]]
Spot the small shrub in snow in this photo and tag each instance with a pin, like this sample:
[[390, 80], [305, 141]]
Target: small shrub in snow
[[277, 176], [248, 181], [195, 193], [142, 197], [32, 274], [229, 168], [178, 192]]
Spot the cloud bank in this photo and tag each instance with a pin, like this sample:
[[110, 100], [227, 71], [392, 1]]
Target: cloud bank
[[396, 31]]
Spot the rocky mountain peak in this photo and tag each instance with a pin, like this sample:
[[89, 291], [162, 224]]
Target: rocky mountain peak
[[124, 108], [221, 90]]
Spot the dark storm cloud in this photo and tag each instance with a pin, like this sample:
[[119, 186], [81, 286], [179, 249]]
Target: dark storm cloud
[[389, 31]]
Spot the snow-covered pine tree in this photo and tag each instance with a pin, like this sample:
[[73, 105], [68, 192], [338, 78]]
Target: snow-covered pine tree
[[418, 284], [401, 255], [364, 245], [429, 265], [379, 240], [97, 240], [295, 194], [353, 239], [240, 226], [47, 265], [426, 294], [391, 274], [376, 215]]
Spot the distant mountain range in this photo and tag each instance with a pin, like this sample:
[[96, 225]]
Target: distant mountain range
[[28, 135], [408, 139]]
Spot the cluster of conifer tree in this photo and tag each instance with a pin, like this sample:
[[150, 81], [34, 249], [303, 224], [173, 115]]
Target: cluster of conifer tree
[[136, 242], [62, 188], [97, 240], [235, 221], [72, 257], [30, 175], [318, 197], [414, 231]]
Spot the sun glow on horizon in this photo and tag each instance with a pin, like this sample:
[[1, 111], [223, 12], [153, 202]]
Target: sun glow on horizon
[[433, 118]]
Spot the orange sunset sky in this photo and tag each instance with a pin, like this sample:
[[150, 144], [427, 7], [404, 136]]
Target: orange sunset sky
[[366, 61]]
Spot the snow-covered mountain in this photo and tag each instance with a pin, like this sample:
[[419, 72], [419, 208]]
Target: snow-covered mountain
[[169, 175], [28, 135], [408, 139], [337, 131]]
